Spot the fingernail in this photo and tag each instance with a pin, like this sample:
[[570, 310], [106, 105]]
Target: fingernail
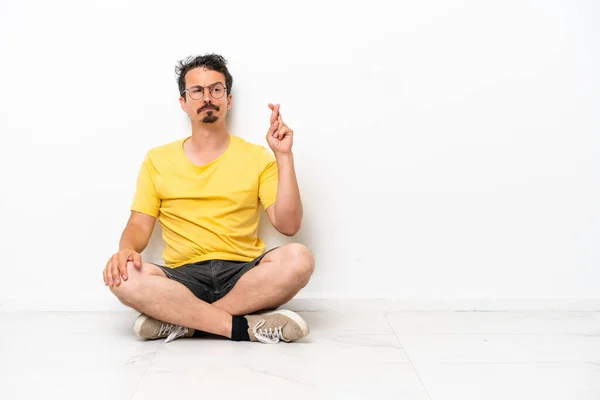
[[110, 283], [124, 277]]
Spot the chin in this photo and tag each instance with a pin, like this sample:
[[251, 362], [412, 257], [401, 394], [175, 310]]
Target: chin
[[210, 119]]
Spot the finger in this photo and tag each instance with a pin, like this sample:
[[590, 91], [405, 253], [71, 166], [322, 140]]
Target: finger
[[273, 113], [274, 106], [109, 275], [277, 124], [104, 273], [109, 269], [115, 273], [277, 110], [280, 126], [130, 258], [284, 132], [137, 260], [272, 128], [123, 270], [118, 263], [123, 266]]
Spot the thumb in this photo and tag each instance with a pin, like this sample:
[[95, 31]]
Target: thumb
[[137, 260]]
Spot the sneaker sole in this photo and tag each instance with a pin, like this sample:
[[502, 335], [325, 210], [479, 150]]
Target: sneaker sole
[[137, 326], [294, 317]]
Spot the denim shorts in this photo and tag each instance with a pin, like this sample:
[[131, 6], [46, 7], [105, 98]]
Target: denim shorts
[[211, 280]]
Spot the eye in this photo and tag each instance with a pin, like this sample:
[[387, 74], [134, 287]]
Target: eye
[[217, 89]]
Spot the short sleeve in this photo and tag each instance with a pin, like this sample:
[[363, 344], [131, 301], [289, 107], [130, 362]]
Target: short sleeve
[[268, 179], [146, 199]]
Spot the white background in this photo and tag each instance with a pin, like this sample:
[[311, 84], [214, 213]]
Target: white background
[[444, 149]]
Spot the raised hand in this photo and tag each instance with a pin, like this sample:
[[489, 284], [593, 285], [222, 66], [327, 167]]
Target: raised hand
[[279, 135]]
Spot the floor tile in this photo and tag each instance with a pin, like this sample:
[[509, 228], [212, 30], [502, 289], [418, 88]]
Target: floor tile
[[502, 348], [71, 383], [501, 381], [333, 349], [498, 337], [371, 323], [71, 339], [494, 322], [348, 355], [308, 379]]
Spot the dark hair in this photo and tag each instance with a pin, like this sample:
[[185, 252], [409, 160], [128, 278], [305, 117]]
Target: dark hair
[[214, 62]]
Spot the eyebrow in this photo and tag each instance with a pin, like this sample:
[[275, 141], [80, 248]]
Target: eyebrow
[[213, 84]]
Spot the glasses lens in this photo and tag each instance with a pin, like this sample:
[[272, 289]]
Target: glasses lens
[[217, 91], [196, 92]]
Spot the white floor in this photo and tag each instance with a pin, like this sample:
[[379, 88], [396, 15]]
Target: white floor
[[348, 355]]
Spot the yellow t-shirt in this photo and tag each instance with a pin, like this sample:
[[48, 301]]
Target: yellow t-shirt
[[212, 211]]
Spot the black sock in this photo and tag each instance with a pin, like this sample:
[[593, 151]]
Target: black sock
[[239, 329], [199, 334]]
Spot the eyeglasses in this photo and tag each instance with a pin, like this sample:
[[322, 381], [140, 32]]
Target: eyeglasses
[[216, 90]]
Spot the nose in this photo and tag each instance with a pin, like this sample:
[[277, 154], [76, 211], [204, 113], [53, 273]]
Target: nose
[[206, 95]]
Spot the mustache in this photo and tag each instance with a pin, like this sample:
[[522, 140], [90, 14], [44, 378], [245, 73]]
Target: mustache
[[208, 107]]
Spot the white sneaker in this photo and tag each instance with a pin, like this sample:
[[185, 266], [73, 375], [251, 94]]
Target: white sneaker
[[280, 325], [150, 328]]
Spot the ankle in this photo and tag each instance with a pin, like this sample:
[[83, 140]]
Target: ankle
[[239, 329]]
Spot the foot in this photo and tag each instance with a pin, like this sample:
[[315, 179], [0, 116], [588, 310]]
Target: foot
[[147, 327], [275, 326]]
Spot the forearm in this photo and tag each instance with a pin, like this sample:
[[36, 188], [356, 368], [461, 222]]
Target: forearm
[[134, 237], [288, 205]]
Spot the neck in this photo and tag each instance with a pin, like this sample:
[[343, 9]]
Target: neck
[[207, 137]]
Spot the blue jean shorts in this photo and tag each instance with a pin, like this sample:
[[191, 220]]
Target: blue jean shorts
[[211, 280]]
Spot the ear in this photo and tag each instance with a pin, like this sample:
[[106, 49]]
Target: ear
[[183, 103], [228, 101]]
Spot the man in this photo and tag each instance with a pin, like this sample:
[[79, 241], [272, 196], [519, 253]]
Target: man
[[205, 191]]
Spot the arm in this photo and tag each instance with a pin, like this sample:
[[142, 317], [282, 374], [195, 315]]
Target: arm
[[133, 241], [137, 232], [286, 213]]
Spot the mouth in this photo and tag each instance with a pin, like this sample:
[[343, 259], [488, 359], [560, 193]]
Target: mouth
[[207, 109]]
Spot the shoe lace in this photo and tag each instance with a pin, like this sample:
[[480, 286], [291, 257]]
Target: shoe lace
[[269, 336], [172, 331]]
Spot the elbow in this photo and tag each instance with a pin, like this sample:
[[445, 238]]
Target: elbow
[[290, 229]]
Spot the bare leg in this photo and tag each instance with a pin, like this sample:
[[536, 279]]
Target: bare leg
[[149, 291], [276, 280]]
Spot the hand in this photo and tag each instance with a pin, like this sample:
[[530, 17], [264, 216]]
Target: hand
[[279, 136], [116, 268]]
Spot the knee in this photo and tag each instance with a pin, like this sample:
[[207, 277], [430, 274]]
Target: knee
[[126, 290], [301, 263]]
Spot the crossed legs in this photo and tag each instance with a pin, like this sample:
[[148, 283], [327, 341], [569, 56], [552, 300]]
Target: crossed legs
[[275, 280]]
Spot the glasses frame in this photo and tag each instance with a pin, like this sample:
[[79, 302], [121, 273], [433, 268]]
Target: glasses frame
[[209, 91]]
